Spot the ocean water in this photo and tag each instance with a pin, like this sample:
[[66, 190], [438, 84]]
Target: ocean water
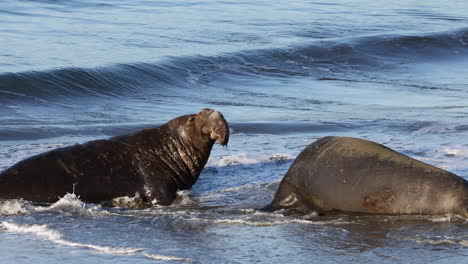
[[283, 73]]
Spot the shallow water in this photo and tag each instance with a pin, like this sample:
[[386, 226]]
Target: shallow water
[[282, 75]]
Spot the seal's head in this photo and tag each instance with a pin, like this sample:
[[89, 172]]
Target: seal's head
[[211, 124]]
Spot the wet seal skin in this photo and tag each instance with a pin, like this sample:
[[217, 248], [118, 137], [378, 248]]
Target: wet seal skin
[[351, 175], [154, 163]]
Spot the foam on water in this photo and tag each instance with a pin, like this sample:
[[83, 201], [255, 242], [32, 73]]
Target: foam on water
[[71, 204], [165, 257], [68, 201], [183, 198], [447, 218], [250, 195], [244, 187], [439, 230], [458, 151], [452, 157], [441, 240], [44, 232], [252, 222], [135, 202], [12, 207], [244, 158], [251, 217]]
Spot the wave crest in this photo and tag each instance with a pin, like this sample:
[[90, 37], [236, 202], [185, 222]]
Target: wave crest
[[321, 59]]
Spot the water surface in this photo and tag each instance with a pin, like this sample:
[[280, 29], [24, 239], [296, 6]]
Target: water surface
[[282, 74]]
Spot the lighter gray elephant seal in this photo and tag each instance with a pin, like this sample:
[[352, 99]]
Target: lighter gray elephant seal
[[154, 162], [354, 175]]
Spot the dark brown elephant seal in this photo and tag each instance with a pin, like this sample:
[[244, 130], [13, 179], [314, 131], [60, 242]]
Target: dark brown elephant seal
[[354, 175], [154, 162]]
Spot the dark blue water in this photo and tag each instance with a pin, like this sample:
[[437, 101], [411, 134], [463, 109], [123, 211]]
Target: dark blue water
[[283, 74]]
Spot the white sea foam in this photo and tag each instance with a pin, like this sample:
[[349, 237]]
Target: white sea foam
[[134, 202], [242, 187], [255, 212], [42, 231], [69, 200], [439, 240], [253, 221], [447, 218], [260, 223], [243, 158], [453, 158], [257, 190], [70, 203], [165, 257], [183, 198], [455, 151], [12, 207]]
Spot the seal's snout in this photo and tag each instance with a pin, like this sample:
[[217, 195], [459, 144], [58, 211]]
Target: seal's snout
[[223, 136], [217, 126], [220, 129]]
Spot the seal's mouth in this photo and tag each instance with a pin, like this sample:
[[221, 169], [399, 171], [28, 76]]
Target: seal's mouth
[[223, 144]]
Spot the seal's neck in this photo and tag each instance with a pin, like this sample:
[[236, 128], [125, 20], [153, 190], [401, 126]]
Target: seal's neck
[[192, 155], [168, 152]]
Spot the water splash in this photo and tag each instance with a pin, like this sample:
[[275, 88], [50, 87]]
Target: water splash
[[71, 204], [13, 207]]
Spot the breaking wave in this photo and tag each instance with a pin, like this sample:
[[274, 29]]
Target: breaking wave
[[322, 59]]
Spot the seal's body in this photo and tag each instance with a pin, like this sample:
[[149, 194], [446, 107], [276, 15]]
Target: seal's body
[[355, 175], [154, 163]]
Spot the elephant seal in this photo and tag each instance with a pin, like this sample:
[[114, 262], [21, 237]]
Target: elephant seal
[[343, 174], [154, 162]]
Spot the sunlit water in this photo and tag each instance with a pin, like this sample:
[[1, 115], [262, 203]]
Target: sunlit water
[[282, 74]]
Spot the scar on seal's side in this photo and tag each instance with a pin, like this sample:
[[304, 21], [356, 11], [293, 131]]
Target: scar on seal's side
[[355, 175], [154, 162]]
